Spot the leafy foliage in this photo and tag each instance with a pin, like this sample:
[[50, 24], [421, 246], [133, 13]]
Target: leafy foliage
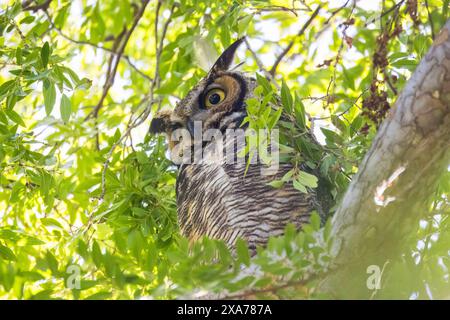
[[87, 207]]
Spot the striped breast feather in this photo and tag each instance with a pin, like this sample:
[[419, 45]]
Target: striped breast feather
[[224, 202]]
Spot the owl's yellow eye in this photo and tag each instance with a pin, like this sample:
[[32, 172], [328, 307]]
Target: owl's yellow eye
[[214, 97]]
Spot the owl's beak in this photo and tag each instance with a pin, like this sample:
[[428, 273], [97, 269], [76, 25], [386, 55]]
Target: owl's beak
[[160, 121], [190, 127]]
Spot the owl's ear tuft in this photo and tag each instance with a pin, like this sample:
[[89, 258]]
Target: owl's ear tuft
[[226, 58]]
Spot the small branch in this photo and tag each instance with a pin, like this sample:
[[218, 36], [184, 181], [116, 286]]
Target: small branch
[[332, 84], [252, 292], [115, 59], [110, 72], [159, 48], [144, 115], [137, 122], [95, 45], [389, 82], [22, 36], [290, 45], [430, 19], [158, 7], [335, 12], [132, 65], [26, 6], [385, 13], [259, 62], [279, 8], [274, 289]]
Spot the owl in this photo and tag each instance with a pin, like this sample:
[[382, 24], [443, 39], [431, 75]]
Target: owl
[[222, 199]]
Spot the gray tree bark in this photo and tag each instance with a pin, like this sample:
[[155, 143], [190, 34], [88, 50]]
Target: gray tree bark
[[397, 177]]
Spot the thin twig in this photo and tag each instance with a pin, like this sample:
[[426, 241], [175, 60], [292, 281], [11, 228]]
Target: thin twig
[[290, 45], [115, 59], [137, 122], [384, 13], [388, 81], [332, 83], [22, 36], [156, 77], [26, 5], [94, 45], [279, 8], [335, 12], [158, 7], [259, 62], [430, 19], [110, 73], [144, 115], [273, 289]]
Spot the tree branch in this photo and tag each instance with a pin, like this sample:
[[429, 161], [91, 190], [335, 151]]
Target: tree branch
[[133, 124], [26, 5], [95, 45], [430, 19], [260, 64], [150, 97], [115, 59], [290, 45], [394, 7], [253, 293], [391, 191]]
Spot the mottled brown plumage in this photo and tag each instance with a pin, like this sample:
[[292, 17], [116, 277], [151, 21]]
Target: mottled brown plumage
[[222, 200]]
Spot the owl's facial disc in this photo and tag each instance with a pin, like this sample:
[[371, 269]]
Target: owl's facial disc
[[218, 96]]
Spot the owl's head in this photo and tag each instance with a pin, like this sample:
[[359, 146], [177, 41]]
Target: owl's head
[[217, 101]]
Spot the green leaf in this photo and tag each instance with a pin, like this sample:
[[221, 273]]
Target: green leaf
[[286, 97], [45, 52], [50, 222], [315, 221], [6, 253], [14, 116], [19, 55], [141, 157], [300, 113], [11, 101], [7, 86], [65, 108], [52, 262], [27, 20], [102, 295], [264, 83], [97, 255], [61, 16], [32, 241], [85, 83], [276, 183], [243, 252], [409, 64], [49, 96], [308, 179], [299, 186], [42, 295]]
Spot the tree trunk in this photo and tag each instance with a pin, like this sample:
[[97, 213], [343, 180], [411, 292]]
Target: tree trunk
[[394, 184]]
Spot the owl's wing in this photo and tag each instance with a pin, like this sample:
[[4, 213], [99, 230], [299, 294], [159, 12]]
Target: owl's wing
[[260, 210], [226, 202]]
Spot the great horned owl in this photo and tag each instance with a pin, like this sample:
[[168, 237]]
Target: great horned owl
[[222, 200]]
